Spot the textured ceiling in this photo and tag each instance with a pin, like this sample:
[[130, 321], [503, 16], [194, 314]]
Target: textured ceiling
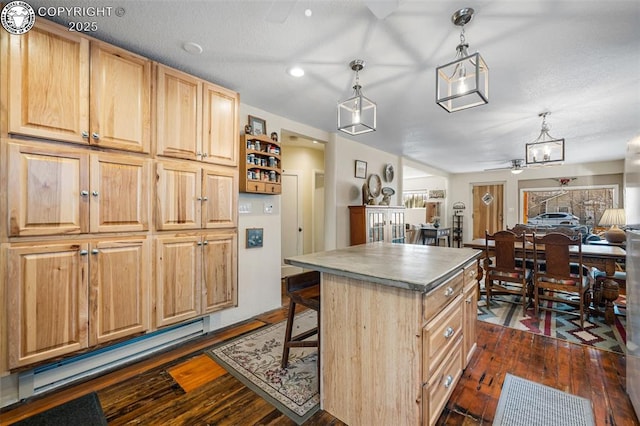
[[578, 59]]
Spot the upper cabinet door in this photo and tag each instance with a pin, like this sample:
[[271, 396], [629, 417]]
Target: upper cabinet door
[[179, 195], [220, 126], [49, 84], [219, 197], [178, 114], [50, 190], [120, 99], [119, 193]]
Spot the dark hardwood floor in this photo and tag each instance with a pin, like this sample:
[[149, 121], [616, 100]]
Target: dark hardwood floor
[[161, 390]]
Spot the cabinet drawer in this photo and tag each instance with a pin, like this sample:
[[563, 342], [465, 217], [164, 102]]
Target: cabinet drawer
[[436, 392], [272, 188], [254, 186], [440, 335], [434, 301], [470, 273]]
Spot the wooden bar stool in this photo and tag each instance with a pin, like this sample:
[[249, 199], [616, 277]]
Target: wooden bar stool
[[302, 289]]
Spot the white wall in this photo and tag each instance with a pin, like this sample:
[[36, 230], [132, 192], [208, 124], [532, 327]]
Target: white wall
[[462, 184]]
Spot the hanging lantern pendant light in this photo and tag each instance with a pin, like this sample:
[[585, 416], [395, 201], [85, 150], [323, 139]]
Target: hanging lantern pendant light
[[464, 82], [545, 149], [357, 114]]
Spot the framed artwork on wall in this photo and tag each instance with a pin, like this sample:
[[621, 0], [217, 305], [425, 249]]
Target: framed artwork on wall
[[254, 237], [258, 125], [361, 169]]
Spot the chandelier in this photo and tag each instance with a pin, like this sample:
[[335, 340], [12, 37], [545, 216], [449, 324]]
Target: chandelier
[[464, 82], [545, 149], [357, 114]]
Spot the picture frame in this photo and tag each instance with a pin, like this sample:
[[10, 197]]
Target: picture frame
[[437, 193], [254, 237], [258, 125], [361, 169]]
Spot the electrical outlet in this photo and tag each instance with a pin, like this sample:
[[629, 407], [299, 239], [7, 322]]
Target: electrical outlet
[[268, 208]]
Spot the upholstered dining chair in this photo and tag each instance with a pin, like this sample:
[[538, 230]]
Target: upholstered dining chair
[[302, 289], [561, 281], [506, 274]]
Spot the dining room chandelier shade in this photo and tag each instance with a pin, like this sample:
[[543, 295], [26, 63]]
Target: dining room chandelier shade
[[464, 82], [545, 149], [357, 114]]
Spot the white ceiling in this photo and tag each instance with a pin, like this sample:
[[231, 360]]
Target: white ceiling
[[578, 59]]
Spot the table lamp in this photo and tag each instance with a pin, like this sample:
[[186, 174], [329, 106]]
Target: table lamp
[[613, 218]]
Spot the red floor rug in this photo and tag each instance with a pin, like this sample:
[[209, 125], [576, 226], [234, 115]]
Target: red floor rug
[[561, 326]]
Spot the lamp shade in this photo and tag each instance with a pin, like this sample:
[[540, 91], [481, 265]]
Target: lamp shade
[[615, 218]]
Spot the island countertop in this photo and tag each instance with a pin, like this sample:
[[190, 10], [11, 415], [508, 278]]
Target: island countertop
[[408, 266]]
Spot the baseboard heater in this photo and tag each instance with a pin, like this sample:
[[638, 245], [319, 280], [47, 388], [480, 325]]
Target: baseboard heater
[[46, 378]]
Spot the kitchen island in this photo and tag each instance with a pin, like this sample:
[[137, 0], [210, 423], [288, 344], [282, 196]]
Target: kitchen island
[[397, 327]]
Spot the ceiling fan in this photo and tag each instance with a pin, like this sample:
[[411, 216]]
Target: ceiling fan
[[517, 166]]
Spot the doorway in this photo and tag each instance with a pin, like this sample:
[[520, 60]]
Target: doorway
[[488, 209], [291, 231]]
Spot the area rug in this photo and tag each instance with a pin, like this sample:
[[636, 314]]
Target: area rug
[[524, 403], [596, 332], [254, 359], [85, 410]]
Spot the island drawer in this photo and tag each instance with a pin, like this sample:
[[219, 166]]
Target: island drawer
[[436, 393], [434, 301], [440, 335], [470, 272]]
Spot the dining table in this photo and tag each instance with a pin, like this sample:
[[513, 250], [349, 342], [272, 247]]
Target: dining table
[[602, 257]]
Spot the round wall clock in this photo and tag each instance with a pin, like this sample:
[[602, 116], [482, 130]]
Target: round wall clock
[[388, 172]]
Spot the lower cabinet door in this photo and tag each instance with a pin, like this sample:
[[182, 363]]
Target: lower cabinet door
[[47, 301], [178, 263], [470, 308], [219, 266], [119, 289]]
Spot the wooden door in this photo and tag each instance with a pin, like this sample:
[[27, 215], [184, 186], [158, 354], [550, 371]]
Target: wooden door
[[119, 193], [219, 197], [49, 84], [120, 99], [220, 126], [179, 195], [47, 302], [488, 208], [219, 266], [119, 289], [178, 278], [49, 190], [178, 114]]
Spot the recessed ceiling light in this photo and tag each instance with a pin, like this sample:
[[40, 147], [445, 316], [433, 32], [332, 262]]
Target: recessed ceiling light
[[296, 71], [193, 48], [308, 12]]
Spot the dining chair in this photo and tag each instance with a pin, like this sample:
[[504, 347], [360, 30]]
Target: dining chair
[[302, 289], [561, 281], [506, 274]]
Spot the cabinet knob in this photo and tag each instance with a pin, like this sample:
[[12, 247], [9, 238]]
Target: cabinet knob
[[199, 243], [449, 332], [84, 193], [85, 134], [95, 251], [198, 153], [199, 198], [94, 193], [205, 198], [448, 381], [205, 155], [205, 242], [95, 135], [83, 252], [448, 291]]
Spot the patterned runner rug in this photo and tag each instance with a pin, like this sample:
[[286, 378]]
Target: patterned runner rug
[[524, 403], [254, 359], [561, 326]]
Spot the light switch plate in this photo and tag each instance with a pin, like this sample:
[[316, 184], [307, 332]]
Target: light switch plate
[[244, 208], [268, 208]]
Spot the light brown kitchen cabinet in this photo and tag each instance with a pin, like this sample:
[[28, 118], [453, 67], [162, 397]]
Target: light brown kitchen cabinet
[[368, 224], [470, 308], [71, 191], [63, 86], [193, 196], [220, 125], [47, 301], [120, 275], [193, 276], [66, 296], [196, 120]]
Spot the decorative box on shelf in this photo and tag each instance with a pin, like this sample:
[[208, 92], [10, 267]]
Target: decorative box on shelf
[[260, 165]]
